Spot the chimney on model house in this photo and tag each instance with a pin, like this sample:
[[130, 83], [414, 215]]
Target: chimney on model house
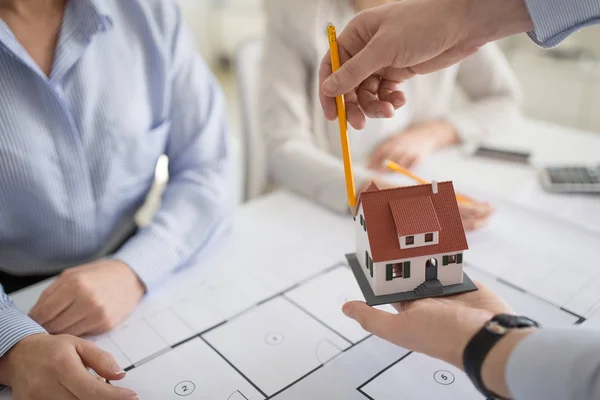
[[434, 187]]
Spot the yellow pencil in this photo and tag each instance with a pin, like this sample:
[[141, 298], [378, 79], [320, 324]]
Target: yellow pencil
[[341, 111], [400, 169]]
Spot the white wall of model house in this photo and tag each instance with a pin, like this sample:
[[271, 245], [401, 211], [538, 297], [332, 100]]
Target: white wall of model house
[[450, 274]]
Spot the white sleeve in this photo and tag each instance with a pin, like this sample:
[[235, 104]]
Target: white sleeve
[[556, 364], [294, 159]]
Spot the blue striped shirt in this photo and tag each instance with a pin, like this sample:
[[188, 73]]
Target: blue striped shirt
[[78, 150], [554, 20]]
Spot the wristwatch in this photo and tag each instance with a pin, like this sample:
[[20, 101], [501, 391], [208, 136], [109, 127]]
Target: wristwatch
[[483, 341]]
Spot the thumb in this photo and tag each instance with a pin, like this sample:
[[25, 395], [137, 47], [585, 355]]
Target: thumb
[[351, 74], [102, 362], [379, 323]]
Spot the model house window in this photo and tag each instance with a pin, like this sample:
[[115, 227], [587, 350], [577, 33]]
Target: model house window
[[363, 223], [452, 259], [410, 240], [397, 270], [428, 237], [369, 262]]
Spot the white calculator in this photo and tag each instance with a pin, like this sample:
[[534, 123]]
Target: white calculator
[[571, 179]]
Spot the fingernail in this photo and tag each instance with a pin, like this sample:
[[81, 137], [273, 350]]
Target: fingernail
[[330, 85], [346, 310], [380, 114], [117, 370]]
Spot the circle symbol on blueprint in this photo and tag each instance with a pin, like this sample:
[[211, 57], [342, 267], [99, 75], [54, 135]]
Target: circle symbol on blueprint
[[184, 388], [274, 339], [443, 377]]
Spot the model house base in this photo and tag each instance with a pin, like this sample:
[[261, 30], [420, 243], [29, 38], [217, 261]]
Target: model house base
[[431, 288]]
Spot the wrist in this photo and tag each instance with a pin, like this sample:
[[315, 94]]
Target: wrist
[[468, 328], [493, 368], [10, 361], [132, 277], [491, 20], [444, 133]]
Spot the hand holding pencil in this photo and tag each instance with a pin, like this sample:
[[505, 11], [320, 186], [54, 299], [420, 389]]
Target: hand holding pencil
[[473, 214]]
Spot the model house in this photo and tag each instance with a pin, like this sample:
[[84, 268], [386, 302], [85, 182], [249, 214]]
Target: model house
[[411, 239]]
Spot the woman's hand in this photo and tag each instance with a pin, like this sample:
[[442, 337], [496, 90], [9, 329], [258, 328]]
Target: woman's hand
[[411, 146], [475, 215]]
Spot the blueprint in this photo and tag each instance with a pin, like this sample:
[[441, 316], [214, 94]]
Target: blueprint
[[546, 256], [261, 319]]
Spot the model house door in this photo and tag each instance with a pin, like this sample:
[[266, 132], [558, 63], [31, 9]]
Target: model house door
[[431, 270]]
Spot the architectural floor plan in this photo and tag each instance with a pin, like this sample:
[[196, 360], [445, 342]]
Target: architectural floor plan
[[261, 320], [294, 344]]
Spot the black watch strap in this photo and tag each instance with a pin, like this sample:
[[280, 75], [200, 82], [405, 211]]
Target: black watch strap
[[483, 341]]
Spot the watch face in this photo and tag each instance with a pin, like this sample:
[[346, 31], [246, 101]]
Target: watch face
[[514, 321]]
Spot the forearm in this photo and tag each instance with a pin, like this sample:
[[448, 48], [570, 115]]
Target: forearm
[[548, 22], [195, 210], [444, 133], [490, 20], [314, 173]]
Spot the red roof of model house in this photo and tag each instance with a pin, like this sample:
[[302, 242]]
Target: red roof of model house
[[402, 211], [414, 215]]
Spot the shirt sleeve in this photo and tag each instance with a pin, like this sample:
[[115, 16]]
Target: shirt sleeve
[[14, 325], [556, 364], [196, 205], [555, 20], [295, 158]]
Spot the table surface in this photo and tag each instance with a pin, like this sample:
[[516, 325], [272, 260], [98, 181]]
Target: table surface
[[548, 143]]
